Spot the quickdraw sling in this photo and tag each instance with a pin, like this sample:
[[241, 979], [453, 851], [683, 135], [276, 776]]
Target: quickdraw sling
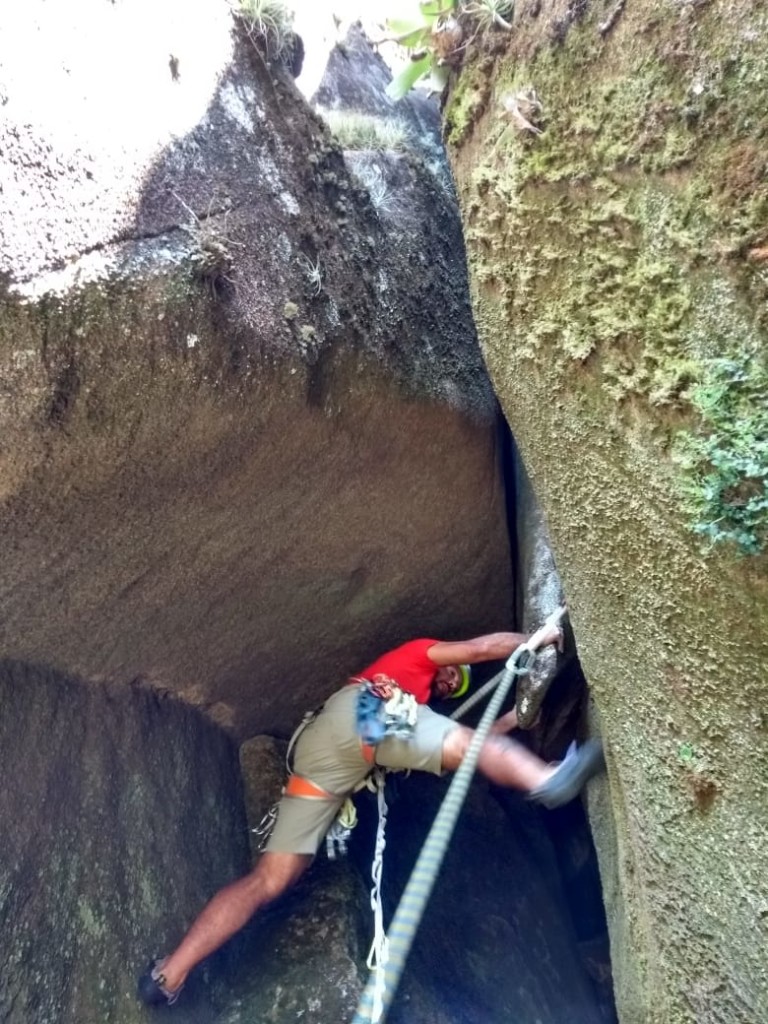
[[384, 709]]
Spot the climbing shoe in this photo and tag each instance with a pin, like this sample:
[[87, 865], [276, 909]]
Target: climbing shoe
[[152, 990], [575, 770]]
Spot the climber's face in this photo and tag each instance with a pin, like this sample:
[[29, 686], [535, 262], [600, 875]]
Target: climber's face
[[446, 681]]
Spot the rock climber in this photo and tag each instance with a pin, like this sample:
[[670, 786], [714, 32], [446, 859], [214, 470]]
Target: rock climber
[[329, 760]]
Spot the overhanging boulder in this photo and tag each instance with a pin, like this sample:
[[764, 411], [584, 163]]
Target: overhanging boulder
[[249, 440]]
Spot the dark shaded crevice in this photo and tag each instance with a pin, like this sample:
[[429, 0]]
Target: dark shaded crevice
[[563, 839], [509, 455], [498, 939], [571, 836], [65, 392]]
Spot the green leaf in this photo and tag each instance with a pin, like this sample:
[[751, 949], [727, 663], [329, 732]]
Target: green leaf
[[410, 34], [415, 40], [408, 77], [432, 10], [436, 7], [401, 26]]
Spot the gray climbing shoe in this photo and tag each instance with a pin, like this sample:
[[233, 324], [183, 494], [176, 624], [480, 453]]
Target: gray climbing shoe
[[576, 769], [152, 989]]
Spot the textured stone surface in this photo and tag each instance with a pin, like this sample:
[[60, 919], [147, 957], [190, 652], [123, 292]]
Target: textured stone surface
[[304, 958], [613, 257], [248, 441], [248, 436], [496, 942], [122, 813], [540, 593], [496, 932], [262, 762]]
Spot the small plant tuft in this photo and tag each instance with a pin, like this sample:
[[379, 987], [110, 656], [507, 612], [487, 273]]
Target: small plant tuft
[[314, 273], [269, 20], [373, 181], [213, 250], [490, 14], [355, 130]]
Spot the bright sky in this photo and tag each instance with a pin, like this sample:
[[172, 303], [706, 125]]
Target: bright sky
[[321, 23], [59, 77]]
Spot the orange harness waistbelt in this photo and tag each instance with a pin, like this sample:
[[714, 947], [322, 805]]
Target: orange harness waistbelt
[[297, 785]]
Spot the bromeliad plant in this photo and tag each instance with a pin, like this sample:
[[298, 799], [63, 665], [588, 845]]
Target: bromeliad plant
[[437, 39], [430, 39]]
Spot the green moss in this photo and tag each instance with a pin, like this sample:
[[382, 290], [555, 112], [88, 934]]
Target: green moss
[[290, 311], [465, 105], [90, 921], [602, 240]]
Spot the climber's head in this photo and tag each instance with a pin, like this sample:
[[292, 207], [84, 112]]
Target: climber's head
[[451, 681]]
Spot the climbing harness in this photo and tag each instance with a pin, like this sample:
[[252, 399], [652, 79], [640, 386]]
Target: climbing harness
[[382, 982], [382, 709], [296, 785]]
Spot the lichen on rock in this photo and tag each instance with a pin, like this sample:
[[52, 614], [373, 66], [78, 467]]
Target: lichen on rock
[[618, 282]]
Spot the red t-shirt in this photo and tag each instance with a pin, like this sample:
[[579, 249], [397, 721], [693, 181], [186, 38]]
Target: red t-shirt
[[409, 666]]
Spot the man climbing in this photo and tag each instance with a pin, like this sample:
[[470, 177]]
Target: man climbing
[[330, 760]]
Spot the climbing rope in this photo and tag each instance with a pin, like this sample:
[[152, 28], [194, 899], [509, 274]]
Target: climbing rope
[[378, 993], [484, 690]]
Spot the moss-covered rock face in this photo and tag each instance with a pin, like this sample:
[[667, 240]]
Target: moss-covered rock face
[[611, 166], [646, 186]]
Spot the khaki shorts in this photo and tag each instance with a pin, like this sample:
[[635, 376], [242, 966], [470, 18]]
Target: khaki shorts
[[328, 753]]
